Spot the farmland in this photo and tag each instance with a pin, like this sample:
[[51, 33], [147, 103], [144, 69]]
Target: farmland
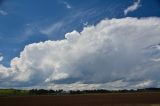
[[107, 99]]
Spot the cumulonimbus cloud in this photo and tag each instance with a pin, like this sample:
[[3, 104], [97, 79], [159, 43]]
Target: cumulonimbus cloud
[[115, 53]]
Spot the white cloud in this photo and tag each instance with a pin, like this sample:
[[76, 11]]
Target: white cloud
[[111, 55], [132, 8], [2, 12], [1, 58], [85, 24], [52, 28], [156, 60], [68, 6], [145, 84]]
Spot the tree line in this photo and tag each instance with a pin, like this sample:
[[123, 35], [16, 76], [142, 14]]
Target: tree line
[[70, 92], [61, 91]]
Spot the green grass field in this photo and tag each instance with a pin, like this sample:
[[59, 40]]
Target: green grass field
[[4, 92]]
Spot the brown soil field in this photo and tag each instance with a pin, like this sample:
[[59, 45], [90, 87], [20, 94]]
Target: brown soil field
[[112, 99]]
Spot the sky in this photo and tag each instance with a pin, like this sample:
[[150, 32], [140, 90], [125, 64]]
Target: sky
[[79, 44]]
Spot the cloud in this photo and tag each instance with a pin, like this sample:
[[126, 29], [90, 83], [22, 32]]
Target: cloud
[[52, 28], [145, 84], [132, 8], [67, 5], [1, 58], [113, 54], [85, 24], [2, 12]]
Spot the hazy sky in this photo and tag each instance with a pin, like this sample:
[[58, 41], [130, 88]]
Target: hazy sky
[[79, 44]]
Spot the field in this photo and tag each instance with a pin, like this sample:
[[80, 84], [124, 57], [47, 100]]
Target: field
[[13, 92], [111, 99]]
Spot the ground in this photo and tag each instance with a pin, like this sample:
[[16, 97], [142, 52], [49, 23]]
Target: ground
[[112, 99]]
